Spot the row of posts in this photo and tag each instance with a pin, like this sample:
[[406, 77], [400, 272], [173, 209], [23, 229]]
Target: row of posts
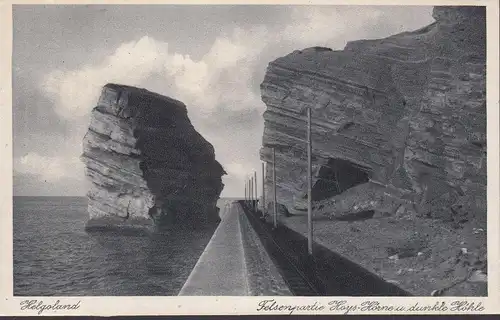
[[251, 190]]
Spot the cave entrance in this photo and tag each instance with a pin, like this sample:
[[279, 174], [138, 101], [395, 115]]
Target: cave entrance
[[336, 176]]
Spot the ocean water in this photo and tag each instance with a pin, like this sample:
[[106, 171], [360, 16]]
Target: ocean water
[[54, 256]]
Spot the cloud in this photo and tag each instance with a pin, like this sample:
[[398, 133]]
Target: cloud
[[75, 92], [224, 78], [334, 26], [49, 169], [239, 171], [315, 26]]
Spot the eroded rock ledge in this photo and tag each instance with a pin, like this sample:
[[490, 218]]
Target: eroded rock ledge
[[399, 127], [148, 166]]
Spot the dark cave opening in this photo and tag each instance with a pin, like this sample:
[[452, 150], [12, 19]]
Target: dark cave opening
[[337, 176]]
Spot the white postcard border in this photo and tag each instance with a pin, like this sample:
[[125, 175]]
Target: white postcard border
[[174, 305]]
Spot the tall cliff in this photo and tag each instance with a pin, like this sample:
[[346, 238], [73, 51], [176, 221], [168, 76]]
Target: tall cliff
[[147, 164], [398, 124]]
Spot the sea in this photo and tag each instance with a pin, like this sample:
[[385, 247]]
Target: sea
[[54, 256]]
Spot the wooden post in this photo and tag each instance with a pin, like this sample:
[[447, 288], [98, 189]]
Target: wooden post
[[263, 189], [275, 213], [256, 193], [245, 198], [251, 192], [309, 185]]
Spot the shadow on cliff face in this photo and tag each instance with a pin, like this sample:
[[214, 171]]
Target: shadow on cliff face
[[337, 176], [148, 165], [174, 215], [412, 107]]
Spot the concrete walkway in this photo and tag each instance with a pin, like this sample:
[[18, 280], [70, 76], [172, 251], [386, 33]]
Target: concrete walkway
[[221, 269]]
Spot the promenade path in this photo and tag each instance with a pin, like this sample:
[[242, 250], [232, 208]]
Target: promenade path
[[221, 269]]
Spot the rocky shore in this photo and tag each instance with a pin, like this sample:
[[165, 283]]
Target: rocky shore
[[148, 166], [399, 150]]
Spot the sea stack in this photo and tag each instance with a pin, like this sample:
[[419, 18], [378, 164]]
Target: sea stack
[[148, 166], [398, 124]]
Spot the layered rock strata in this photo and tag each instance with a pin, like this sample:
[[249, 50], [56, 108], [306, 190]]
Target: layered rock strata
[[398, 124], [399, 151], [147, 164]]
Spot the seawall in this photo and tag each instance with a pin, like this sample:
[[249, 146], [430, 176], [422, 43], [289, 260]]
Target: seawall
[[234, 263], [398, 139]]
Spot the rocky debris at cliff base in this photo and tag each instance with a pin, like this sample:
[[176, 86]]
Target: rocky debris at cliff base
[[391, 248], [281, 210], [396, 112], [399, 137], [147, 164]]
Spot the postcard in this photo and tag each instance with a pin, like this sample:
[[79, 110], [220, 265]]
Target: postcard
[[261, 158]]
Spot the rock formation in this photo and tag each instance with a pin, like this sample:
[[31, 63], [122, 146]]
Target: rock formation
[[147, 164], [398, 124]]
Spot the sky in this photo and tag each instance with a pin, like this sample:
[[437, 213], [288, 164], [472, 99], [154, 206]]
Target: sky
[[212, 58]]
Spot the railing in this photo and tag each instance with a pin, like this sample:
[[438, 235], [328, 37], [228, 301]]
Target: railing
[[325, 273], [251, 192]]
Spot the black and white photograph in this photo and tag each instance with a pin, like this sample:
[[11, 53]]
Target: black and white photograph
[[274, 150]]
